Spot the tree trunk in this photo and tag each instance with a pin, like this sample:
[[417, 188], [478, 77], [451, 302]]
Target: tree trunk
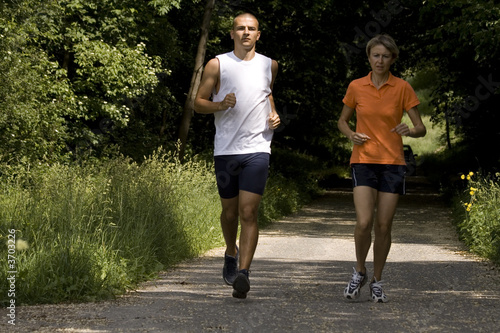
[[448, 138], [195, 79]]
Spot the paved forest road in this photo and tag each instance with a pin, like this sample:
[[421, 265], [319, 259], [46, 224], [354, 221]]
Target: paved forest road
[[301, 267]]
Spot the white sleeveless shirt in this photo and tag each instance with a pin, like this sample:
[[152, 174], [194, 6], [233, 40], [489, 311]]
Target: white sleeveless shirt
[[244, 128]]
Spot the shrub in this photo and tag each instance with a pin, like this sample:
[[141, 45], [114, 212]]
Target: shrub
[[293, 181], [280, 198]]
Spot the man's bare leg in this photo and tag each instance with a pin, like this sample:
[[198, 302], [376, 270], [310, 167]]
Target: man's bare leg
[[229, 223], [249, 236]]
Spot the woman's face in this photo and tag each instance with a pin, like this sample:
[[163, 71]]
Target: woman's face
[[380, 59]]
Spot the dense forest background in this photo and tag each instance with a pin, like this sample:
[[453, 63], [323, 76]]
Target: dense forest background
[[91, 78]]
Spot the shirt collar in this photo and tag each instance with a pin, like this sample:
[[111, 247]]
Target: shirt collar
[[368, 80]]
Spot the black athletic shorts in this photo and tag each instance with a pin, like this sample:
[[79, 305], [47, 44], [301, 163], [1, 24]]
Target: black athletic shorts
[[247, 172], [382, 177]]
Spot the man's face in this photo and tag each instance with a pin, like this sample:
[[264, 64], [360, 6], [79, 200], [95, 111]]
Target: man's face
[[245, 31]]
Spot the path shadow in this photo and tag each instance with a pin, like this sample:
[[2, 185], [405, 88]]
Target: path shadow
[[301, 267], [306, 296]]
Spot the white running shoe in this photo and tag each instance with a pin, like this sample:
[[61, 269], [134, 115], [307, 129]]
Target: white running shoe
[[378, 295], [358, 280]]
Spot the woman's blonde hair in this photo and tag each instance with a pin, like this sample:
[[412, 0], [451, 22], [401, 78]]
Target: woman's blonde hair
[[384, 40]]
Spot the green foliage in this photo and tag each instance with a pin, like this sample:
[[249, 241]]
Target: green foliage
[[479, 210], [35, 97], [464, 29], [164, 6], [83, 75], [461, 40], [281, 198], [107, 76], [72, 74]]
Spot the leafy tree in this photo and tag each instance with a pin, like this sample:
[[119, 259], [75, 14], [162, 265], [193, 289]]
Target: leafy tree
[[35, 95], [81, 75], [90, 68], [461, 39]]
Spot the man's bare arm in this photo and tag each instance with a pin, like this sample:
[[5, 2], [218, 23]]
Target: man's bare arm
[[209, 80]]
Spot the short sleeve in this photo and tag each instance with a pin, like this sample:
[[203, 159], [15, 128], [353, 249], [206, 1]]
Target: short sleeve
[[410, 97], [350, 96]]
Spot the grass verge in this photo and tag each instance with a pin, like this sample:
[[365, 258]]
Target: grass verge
[[92, 231]]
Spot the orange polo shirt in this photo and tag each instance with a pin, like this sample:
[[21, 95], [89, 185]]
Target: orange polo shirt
[[377, 112]]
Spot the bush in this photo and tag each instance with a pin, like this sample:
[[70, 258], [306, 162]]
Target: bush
[[293, 181], [281, 198], [480, 211]]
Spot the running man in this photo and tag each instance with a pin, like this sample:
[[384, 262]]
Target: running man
[[236, 88]]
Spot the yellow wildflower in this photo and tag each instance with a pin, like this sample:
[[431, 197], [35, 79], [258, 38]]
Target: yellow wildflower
[[462, 176], [471, 173]]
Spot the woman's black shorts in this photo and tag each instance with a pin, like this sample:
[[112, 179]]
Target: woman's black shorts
[[382, 177]]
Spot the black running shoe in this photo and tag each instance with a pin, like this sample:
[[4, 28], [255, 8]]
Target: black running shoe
[[241, 284], [230, 270]]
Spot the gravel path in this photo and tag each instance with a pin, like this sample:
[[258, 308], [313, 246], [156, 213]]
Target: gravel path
[[301, 267]]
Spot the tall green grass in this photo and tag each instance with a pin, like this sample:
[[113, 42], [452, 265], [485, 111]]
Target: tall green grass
[[97, 229]]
